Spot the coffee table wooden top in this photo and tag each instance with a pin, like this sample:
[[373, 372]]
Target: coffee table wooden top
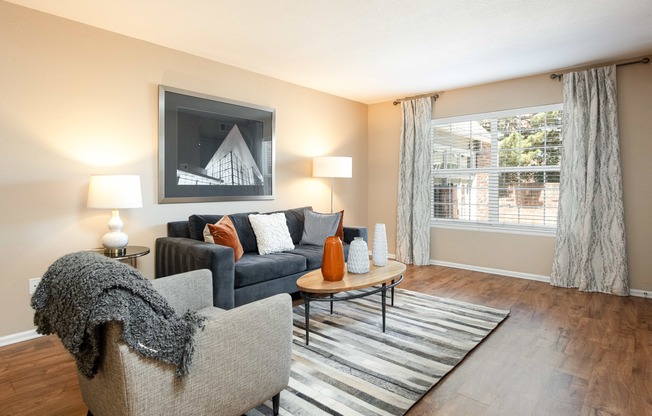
[[313, 282]]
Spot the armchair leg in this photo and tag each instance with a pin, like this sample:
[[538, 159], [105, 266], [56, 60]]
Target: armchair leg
[[276, 403]]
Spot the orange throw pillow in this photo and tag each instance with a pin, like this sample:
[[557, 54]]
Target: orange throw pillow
[[340, 227], [224, 233]]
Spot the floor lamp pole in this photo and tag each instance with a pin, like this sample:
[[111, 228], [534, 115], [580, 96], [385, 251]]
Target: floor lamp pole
[[332, 187]]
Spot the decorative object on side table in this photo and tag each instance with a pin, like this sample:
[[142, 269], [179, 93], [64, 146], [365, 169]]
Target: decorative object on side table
[[332, 264], [379, 250], [115, 192], [358, 256]]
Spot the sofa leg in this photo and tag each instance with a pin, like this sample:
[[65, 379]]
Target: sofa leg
[[276, 403]]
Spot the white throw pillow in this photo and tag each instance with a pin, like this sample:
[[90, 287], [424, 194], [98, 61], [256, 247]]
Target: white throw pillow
[[272, 233], [208, 237]]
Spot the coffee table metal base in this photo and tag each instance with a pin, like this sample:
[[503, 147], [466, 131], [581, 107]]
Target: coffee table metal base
[[309, 297]]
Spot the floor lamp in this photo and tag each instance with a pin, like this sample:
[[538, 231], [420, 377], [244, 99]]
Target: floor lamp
[[332, 167]]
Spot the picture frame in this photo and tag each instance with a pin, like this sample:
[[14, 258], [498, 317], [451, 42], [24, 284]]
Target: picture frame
[[214, 149]]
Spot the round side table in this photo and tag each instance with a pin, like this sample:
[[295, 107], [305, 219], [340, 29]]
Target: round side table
[[129, 255]]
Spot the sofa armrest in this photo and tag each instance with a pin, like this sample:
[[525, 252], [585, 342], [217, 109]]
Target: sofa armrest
[[242, 358], [187, 291], [178, 255], [178, 229], [351, 232]]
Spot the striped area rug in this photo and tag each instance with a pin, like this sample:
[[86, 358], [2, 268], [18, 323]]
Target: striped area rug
[[352, 368]]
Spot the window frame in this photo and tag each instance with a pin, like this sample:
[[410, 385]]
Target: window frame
[[511, 228]]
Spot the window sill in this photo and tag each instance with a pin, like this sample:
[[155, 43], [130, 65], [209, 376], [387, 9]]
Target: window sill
[[498, 228]]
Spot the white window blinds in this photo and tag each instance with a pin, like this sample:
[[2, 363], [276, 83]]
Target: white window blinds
[[498, 169]]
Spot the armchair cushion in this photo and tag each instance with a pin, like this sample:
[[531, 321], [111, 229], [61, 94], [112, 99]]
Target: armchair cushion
[[187, 291]]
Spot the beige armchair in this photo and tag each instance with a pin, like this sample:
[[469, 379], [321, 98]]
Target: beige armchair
[[242, 358]]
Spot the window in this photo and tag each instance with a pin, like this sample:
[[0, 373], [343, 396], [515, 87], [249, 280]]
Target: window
[[498, 169]]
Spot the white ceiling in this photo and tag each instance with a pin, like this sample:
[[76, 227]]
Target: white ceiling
[[377, 50]]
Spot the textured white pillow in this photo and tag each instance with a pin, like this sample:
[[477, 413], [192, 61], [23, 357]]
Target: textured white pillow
[[272, 233]]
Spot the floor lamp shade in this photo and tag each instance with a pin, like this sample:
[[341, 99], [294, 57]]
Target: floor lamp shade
[[115, 192], [332, 167]]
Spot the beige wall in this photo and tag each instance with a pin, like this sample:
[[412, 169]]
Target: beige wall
[[522, 254], [384, 130], [76, 100], [634, 118]]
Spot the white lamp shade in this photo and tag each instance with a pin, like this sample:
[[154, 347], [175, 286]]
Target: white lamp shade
[[332, 167], [115, 191]]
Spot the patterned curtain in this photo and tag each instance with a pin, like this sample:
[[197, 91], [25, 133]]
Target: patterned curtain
[[590, 246], [413, 222]]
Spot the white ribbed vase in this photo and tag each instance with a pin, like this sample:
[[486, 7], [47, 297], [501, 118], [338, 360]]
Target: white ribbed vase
[[358, 261], [379, 250]]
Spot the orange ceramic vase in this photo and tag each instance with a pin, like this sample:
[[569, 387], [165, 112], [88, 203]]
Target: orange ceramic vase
[[332, 262]]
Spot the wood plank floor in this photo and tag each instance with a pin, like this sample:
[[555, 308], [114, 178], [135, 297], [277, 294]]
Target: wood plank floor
[[560, 352]]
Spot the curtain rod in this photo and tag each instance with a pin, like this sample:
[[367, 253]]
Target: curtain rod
[[645, 60], [434, 95]]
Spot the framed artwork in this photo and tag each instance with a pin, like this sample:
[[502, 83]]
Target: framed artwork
[[213, 149]]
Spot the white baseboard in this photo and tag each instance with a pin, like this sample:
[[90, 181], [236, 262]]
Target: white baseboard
[[19, 337], [640, 293], [540, 278], [510, 273]]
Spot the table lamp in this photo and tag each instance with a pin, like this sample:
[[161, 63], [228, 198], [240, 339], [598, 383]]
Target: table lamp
[[115, 192], [332, 167]]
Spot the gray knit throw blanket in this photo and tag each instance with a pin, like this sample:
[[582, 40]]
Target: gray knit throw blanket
[[81, 292]]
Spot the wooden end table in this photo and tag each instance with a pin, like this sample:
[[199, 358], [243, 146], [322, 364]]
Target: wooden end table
[[313, 287]]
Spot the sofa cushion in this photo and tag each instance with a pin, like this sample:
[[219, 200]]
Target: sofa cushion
[[197, 223], [272, 234], [254, 268], [245, 232], [319, 226], [178, 229], [224, 233], [314, 254], [295, 218]]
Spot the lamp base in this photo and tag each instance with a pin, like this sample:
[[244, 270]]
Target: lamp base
[[115, 252], [115, 241]]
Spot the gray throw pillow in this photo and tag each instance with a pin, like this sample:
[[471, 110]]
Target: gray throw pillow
[[316, 227]]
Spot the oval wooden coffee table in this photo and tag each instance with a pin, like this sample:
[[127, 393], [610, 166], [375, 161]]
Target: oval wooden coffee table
[[313, 287]]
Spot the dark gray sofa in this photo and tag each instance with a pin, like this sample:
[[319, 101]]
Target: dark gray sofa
[[254, 276]]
